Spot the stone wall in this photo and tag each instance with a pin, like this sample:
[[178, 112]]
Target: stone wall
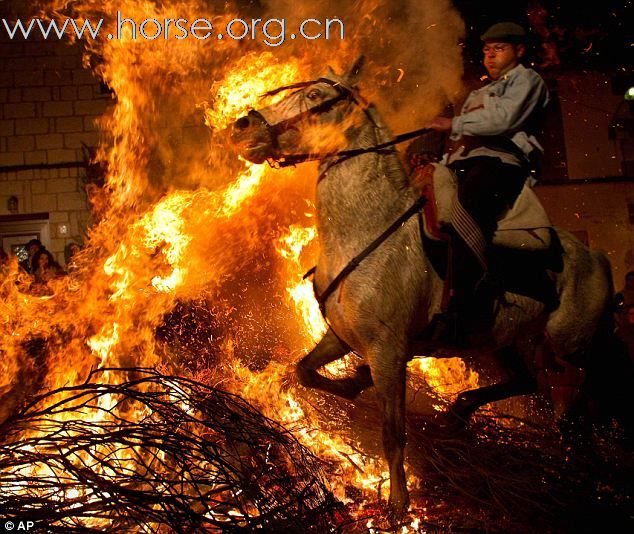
[[588, 109], [48, 106], [600, 212]]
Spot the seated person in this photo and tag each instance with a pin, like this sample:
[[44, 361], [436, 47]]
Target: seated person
[[625, 331], [493, 142], [31, 248], [70, 251]]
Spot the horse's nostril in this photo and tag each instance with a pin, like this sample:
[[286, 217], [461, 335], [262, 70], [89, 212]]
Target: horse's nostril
[[242, 123]]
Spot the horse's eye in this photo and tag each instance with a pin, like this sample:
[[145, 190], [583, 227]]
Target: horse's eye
[[313, 94]]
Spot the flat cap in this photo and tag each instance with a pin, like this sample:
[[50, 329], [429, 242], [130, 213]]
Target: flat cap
[[506, 32]]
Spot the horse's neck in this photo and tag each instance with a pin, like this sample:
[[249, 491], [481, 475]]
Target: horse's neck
[[361, 196]]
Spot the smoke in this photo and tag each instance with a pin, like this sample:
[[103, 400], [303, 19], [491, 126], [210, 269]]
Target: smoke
[[415, 63], [413, 70]]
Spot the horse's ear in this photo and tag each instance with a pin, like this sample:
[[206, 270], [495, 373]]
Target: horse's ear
[[352, 76], [330, 72]]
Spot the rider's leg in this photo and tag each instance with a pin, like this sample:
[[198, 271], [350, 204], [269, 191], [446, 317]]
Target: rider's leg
[[465, 272], [486, 187]]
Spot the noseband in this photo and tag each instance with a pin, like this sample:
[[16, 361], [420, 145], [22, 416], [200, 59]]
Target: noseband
[[278, 128]]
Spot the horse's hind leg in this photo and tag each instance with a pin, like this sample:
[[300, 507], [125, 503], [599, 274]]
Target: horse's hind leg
[[329, 349], [521, 382]]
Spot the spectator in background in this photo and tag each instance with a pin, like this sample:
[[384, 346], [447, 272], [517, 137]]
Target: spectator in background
[[32, 247], [625, 297], [625, 330], [45, 267], [4, 261]]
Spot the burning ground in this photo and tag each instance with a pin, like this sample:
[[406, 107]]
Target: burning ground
[[152, 389]]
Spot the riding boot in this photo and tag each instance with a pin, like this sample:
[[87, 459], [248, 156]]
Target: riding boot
[[453, 326], [488, 293]]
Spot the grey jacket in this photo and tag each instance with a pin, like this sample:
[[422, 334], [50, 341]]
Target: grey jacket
[[511, 107]]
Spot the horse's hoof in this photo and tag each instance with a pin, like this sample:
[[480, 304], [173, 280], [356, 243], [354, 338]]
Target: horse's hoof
[[363, 377], [576, 433], [306, 377], [397, 509], [351, 387]]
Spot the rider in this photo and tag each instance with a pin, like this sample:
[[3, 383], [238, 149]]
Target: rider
[[492, 146]]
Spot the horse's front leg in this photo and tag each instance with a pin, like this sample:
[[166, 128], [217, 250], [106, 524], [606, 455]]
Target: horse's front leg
[[521, 382], [389, 373], [329, 349]]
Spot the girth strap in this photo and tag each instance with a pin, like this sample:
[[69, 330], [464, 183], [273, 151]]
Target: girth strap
[[354, 262]]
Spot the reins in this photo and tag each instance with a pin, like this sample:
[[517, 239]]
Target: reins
[[354, 262], [293, 159], [344, 92]]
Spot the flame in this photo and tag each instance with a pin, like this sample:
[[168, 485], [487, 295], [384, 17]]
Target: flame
[[240, 89], [177, 220], [447, 377], [244, 187], [102, 343], [300, 290]]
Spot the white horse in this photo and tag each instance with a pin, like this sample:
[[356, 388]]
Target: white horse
[[379, 307]]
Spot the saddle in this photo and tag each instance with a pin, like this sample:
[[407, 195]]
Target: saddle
[[524, 226], [525, 248]]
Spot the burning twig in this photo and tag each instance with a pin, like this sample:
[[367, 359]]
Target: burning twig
[[505, 477], [176, 453]]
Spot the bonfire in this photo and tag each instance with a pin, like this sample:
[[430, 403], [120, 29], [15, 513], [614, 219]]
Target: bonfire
[[153, 389]]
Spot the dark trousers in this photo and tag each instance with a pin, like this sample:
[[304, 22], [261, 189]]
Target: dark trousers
[[486, 188]]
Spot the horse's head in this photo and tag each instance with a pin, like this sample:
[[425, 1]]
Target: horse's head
[[268, 133]]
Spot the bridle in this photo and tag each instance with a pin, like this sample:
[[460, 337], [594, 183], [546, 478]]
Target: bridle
[[344, 92]]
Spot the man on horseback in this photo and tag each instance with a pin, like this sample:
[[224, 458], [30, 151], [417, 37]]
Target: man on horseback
[[492, 146], [377, 280]]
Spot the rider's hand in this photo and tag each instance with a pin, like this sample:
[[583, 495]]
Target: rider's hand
[[440, 124]]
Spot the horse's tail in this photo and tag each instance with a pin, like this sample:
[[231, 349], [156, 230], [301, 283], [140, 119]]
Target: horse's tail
[[610, 370], [608, 390]]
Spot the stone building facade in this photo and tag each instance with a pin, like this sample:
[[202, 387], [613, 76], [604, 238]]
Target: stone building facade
[[48, 107]]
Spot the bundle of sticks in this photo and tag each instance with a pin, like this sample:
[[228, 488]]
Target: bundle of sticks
[[146, 451]]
